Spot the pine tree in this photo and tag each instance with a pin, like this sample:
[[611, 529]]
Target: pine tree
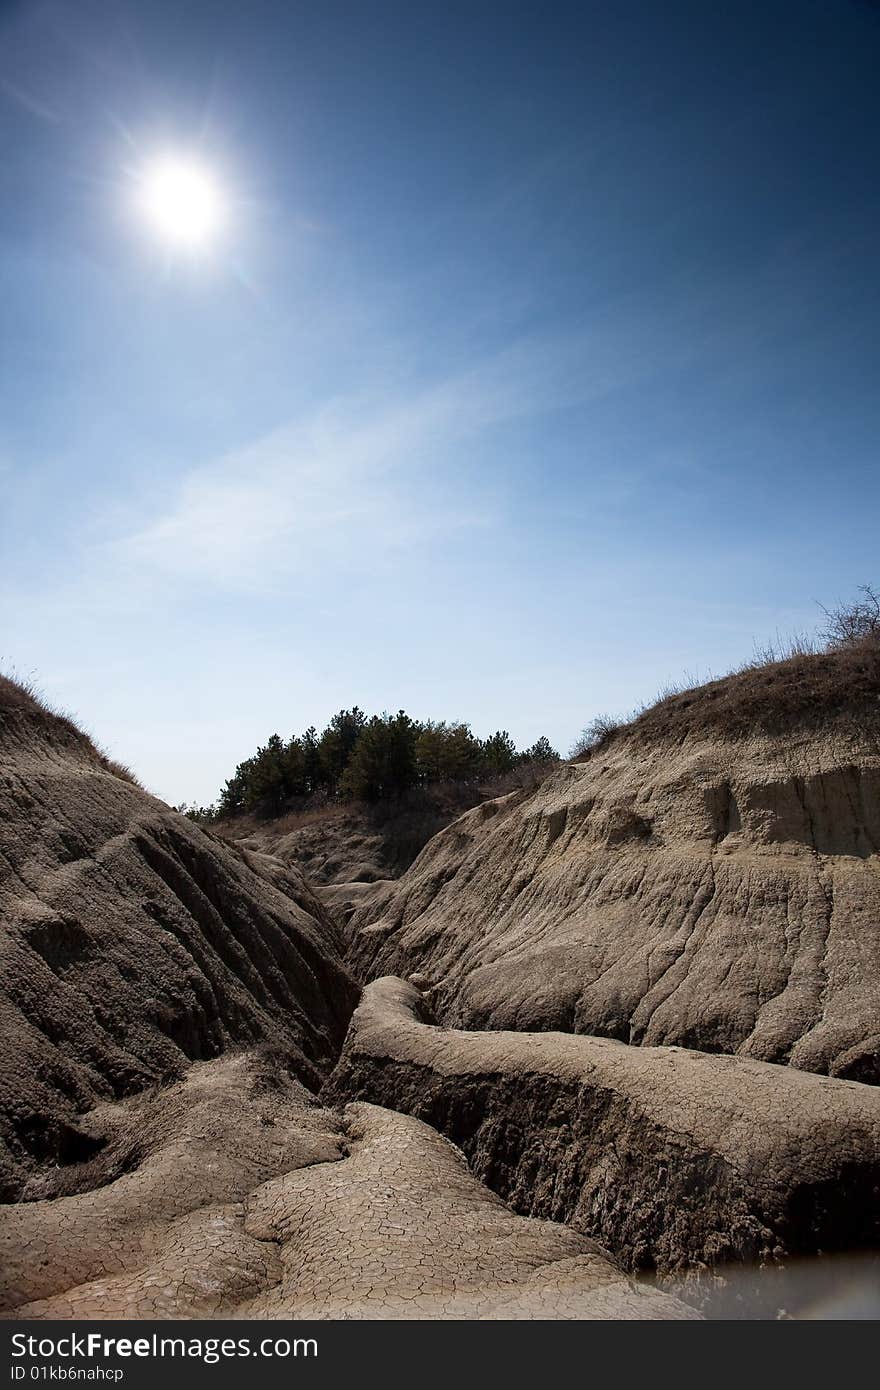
[[499, 753], [294, 771], [338, 742], [267, 780], [372, 760], [447, 753], [541, 752], [232, 800], [313, 765], [384, 761]]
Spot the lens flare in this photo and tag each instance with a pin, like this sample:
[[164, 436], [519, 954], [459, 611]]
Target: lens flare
[[182, 202]]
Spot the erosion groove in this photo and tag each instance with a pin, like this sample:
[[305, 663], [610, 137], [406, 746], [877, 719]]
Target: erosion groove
[[134, 943], [668, 1157], [716, 893]]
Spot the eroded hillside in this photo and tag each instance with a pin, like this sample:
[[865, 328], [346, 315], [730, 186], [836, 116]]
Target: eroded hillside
[[173, 1003], [134, 943], [709, 878]]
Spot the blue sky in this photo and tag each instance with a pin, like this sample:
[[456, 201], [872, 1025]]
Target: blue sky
[[535, 367]]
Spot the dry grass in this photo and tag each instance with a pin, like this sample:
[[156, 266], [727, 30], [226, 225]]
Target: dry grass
[[121, 770], [782, 688], [17, 693], [317, 811], [20, 696]]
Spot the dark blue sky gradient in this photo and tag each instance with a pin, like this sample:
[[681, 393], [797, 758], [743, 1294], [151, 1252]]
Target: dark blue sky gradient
[[537, 366]]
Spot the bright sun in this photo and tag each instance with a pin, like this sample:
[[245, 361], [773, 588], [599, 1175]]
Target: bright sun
[[182, 202]]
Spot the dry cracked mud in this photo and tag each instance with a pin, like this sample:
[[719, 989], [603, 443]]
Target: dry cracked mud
[[250, 1200], [670, 1157]]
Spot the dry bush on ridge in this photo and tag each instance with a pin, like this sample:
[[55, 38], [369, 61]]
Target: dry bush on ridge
[[849, 623], [598, 732], [771, 697]]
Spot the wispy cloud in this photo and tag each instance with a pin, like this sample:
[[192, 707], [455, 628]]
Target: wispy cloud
[[353, 484], [29, 102], [359, 479], [330, 490]]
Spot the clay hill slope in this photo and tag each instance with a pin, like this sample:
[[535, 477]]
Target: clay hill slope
[[709, 877], [133, 943]]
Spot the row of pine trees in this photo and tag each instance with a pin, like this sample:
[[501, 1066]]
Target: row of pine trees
[[367, 759]]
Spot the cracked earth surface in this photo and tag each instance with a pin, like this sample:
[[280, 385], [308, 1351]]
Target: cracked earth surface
[[671, 1157], [251, 1200]]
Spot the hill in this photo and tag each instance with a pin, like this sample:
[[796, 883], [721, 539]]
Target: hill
[[706, 876], [134, 943], [621, 972]]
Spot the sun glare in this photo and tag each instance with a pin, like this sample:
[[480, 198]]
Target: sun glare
[[182, 202]]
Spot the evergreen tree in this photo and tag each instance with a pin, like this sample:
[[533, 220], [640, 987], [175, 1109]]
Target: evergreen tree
[[338, 742], [313, 765], [499, 753], [447, 753], [384, 760], [541, 752], [371, 760], [232, 800], [267, 779], [294, 769]]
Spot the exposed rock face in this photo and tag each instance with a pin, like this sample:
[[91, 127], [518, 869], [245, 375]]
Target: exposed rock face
[[133, 943], [669, 1157], [244, 1198], [706, 891]]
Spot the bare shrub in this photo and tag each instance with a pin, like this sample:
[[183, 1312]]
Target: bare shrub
[[598, 732], [792, 681], [853, 622]]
